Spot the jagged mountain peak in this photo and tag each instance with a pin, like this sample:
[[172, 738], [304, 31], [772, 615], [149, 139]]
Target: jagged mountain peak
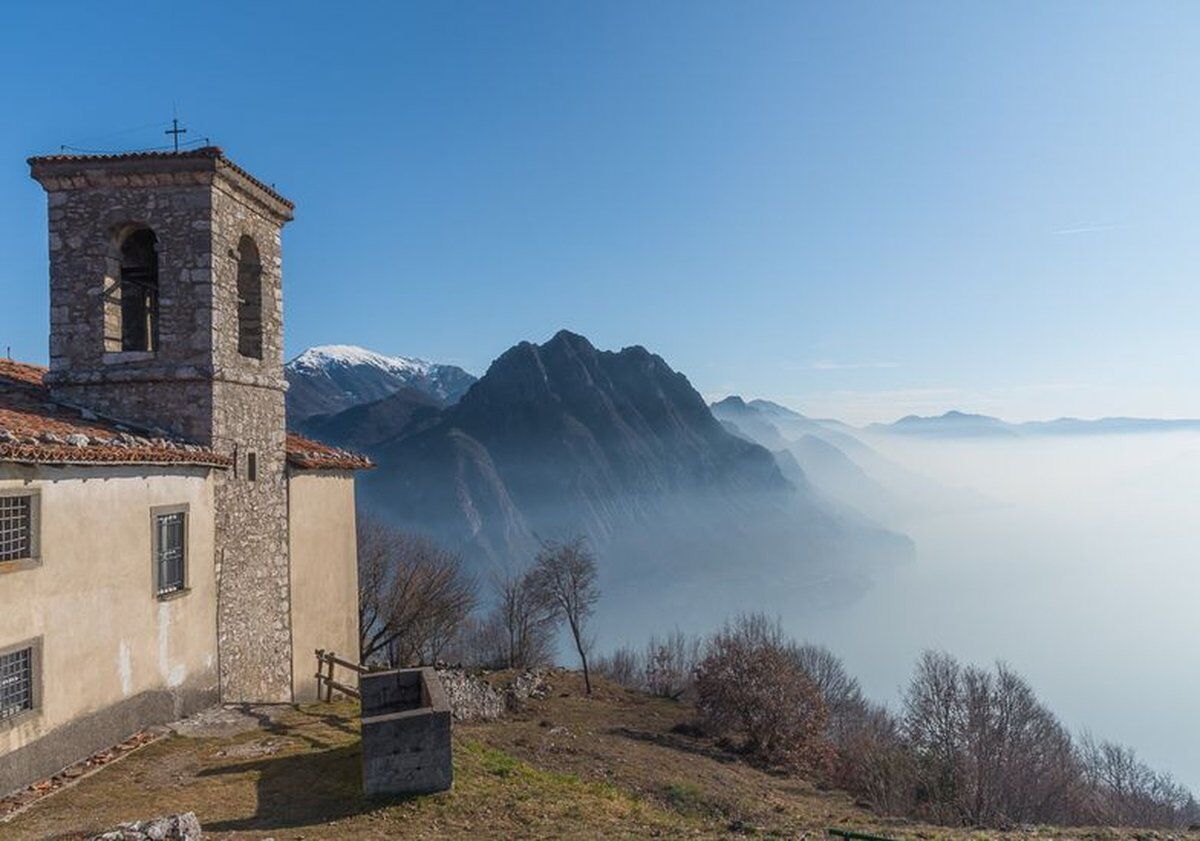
[[325, 356], [572, 435], [327, 379]]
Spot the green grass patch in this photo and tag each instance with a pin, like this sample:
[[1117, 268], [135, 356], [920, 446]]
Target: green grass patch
[[687, 799]]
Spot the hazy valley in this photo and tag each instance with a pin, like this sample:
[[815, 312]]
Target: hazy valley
[[1022, 542]]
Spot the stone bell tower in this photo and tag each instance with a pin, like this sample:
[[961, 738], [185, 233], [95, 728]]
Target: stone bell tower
[[166, 311]]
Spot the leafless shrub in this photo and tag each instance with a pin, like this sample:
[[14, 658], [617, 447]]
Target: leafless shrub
[[871, 758], [413, 596], [525, 620], [623, 667], [988, 753], [874, 762], [839, 690], [480, 643], [1126, 792], [749, 686], [669, 664]]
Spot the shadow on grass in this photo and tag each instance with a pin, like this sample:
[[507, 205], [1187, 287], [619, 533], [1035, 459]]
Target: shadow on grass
[[678, 743], [302, 789]]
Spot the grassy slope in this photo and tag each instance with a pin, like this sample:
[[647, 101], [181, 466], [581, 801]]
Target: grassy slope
[[568, 767]]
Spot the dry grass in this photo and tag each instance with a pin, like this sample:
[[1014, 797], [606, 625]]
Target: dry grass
[[568, 766]]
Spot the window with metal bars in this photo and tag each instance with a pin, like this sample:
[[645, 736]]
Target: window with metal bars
[[16, 682], [170, 552], [16, 528]]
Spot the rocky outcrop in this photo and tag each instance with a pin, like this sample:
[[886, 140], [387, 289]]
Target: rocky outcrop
[[472, 698], [185, 827]]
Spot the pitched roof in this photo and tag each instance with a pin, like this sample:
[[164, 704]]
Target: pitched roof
[[36, 429], [313, 455]]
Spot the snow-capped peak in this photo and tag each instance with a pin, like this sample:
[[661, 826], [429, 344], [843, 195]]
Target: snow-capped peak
[[324, 357]]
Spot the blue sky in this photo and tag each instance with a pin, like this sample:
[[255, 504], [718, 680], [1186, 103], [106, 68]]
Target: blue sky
[[858, 209]]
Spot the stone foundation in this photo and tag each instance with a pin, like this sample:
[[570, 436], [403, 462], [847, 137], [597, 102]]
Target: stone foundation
[[96, 732]]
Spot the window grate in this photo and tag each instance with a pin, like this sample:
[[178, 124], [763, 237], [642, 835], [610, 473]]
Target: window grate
[[170, 552], [16, 682], [16, 527]]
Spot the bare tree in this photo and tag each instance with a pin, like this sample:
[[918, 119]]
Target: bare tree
[[525, 619], [564, 575], [413, 596]]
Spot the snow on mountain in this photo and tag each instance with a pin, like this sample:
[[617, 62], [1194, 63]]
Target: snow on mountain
[[325, 356], [332, 378]]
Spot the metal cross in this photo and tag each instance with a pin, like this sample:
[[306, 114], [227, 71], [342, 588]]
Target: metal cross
[[175, 130]]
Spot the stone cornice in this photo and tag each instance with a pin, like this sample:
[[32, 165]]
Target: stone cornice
[[163, 374], [158, 169]]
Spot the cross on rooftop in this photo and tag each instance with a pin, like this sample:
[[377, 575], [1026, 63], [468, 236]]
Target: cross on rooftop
[[175, 131]]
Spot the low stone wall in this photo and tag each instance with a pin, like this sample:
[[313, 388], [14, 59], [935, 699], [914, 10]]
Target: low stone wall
[[405, 733]]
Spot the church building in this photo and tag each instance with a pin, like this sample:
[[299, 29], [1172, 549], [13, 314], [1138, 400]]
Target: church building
[[165, 544]]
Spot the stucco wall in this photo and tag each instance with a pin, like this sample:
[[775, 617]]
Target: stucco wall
[[324, 572], [112, 652]]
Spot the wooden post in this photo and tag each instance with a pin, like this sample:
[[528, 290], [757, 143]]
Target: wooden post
[[329, 679]]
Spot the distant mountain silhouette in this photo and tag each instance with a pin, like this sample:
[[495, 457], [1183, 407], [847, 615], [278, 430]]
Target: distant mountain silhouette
[[955, 424], [820, 450], [951, 424], [331, 378]]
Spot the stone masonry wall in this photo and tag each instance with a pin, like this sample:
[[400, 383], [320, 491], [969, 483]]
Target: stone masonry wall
[[195, 383], [85, 227]]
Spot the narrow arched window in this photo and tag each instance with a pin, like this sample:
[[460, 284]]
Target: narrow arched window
[[249, 299], [139, 291]]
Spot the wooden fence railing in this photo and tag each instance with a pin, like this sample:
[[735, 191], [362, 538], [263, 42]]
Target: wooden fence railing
[[327, 661]]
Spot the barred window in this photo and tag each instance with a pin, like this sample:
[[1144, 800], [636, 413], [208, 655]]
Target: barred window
[[16, 528], [170, 552], [16, 682]]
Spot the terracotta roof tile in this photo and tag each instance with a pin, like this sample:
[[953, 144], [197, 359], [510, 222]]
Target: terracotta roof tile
[[36, 429], [39, 430], [312, 455]]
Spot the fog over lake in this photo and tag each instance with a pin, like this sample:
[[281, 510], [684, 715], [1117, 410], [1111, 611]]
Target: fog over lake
[[1082, 575], [1072, 558]]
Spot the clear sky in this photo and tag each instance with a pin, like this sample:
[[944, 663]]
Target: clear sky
[[859, 209]]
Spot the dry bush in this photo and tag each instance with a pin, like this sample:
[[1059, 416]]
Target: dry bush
[[525, 621], [874, 762], [669, 665], [987, 752], [1123, 791], [871, 758], [750, 687], [623, 667], [413, 596]]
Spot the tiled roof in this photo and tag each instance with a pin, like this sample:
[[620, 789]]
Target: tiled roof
[[34, 429], [208, 152], [313, 455]]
